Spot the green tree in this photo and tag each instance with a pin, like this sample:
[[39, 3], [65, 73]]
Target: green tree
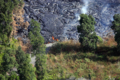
[[6, 8], [40, 65], [35, 37], [9, 60], [13, 76], [116, 29], [2, 77], [88, 37], [37, 42], [20, 56], [25, 69]]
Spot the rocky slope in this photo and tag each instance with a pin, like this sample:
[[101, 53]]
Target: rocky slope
[[20, 28], [59, 18]]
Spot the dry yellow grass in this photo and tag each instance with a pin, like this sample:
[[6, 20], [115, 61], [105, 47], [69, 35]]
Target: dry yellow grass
[[17, 17], [110, 41], [61, 56], [71, 42], [99, 69], [72, 66]]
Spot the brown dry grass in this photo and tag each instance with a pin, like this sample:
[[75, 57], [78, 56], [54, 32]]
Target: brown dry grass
[[71, 66], [100, 69], [71, 42], [17, 17], [61, 56], [25, 47], [110, 41]]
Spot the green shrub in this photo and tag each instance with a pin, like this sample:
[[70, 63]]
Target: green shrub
[[56, 48]]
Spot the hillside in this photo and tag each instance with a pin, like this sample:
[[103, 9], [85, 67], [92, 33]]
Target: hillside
[[59, 40]]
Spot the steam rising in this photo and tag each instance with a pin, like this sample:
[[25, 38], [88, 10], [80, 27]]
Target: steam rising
[[112, 19], [77, 16], [84, 8]]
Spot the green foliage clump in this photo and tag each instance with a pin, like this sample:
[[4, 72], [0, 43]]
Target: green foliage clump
[[8, 46], [38, 47], [9, 60], [6, 8], [13, 76], [35, 37], [25, 69], [88, 38], [2, 77], [40, 65], [116, 23], [1, 55], [116, 29]]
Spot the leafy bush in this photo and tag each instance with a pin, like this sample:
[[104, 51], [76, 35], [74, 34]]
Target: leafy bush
[[56, 48]]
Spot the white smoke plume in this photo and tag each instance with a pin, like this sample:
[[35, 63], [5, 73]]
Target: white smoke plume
[[85, 7], [112, 19], [77, 16]]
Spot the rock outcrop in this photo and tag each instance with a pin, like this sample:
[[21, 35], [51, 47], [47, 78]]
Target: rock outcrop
[[103, 12]]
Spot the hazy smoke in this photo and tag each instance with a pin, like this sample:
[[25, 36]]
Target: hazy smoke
[[84, 8], [112, 19], [77, 16]]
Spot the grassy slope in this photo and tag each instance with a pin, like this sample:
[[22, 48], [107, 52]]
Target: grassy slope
[[67, 59]]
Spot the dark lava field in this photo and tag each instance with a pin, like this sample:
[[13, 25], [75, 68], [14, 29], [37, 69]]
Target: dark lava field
[[59, 18]]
